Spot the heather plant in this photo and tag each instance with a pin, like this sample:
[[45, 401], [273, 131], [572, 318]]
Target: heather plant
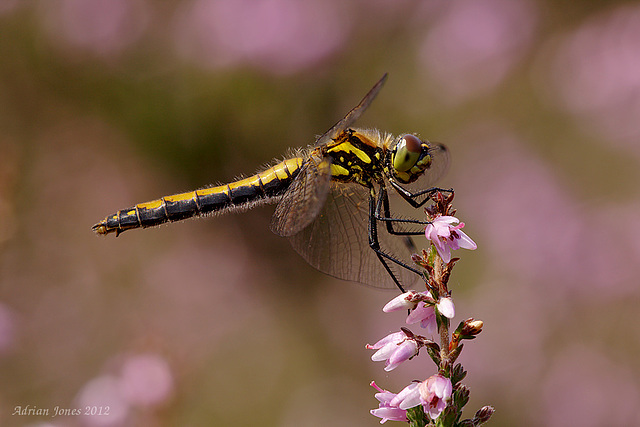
[[440, 398]]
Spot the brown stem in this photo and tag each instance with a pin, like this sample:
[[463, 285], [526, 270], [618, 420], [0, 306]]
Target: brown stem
[[439, 272]]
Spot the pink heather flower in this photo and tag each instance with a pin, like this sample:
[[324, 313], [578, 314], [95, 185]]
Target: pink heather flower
[[446, 234], [446, 307], [395, 348], [406, 301], [408, 397], [421, 306], [426, 315], [386, 411], [434, 394]]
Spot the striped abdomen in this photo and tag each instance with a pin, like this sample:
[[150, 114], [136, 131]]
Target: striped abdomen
[[262, 186]]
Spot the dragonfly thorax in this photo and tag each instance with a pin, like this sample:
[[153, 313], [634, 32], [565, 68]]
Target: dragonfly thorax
[[356, 157]]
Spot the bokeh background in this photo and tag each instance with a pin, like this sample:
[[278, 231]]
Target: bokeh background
[[216, 322]]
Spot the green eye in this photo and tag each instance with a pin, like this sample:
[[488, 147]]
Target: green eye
[[407, 153]]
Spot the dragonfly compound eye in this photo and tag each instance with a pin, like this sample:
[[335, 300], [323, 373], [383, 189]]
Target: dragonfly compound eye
[[407, 153], [410, 158]]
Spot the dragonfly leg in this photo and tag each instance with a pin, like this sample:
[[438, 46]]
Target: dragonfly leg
[[411, 198], [375, 245], [383, 213], [383, 202]]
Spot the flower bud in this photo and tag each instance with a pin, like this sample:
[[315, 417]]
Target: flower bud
[[405, 301], [446, 307], [483, 414], [471, 327]]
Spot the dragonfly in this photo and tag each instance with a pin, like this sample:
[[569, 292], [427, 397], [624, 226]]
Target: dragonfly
[[332, 200]]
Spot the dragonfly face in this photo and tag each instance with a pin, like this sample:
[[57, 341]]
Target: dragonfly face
[[410, 158], [330, 200]]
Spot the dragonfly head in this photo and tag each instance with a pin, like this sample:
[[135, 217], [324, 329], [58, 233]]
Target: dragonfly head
[[410, 158]]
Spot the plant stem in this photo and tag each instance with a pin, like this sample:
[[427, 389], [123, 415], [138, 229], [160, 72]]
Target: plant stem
[[438, 273]]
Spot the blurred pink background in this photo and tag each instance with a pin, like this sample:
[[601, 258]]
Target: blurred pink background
[[107, 103]]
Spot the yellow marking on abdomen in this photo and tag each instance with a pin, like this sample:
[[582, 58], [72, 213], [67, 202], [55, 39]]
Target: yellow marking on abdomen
[[180, 197], [294, 163], [252, 181], [150, 205], [280, 171], [267, 176], [213, 190]]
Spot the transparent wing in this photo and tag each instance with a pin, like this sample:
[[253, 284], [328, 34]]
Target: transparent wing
[[307, 193], [352, 115], [439, 166], [337, 241], [304, 198]]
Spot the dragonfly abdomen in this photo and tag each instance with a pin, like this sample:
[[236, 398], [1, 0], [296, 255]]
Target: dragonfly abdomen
[[261, 188]]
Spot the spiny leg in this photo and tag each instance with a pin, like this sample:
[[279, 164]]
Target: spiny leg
[[375, 245], [411, 197], [383, 204]]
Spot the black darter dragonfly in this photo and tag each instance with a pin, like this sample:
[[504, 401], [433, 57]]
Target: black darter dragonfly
[[332, 199]]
